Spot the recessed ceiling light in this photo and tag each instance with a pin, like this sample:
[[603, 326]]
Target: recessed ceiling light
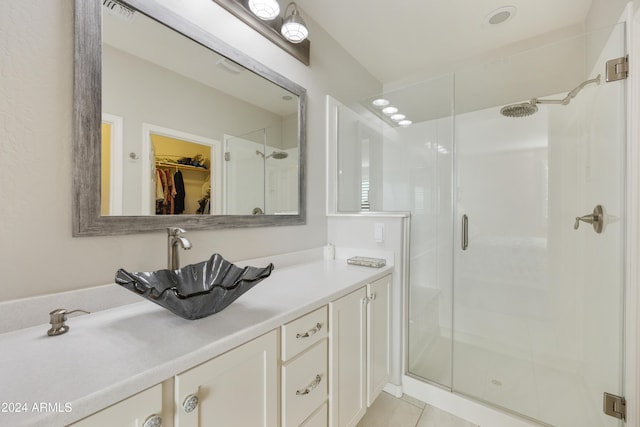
[[389, 110], [380, 102], [405, 122], [398, 117], [500, 15]]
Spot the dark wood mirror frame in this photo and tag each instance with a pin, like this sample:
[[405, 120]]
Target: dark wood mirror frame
[[87, 119]]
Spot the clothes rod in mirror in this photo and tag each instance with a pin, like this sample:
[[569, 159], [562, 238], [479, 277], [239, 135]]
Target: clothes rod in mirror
[[269, 29]]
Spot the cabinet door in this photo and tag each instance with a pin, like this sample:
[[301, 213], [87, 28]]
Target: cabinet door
[[131, 412], [238, 388], [378, 337], [347, 347]]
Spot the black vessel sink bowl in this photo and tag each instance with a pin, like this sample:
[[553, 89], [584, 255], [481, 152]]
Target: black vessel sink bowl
[[196, 290]]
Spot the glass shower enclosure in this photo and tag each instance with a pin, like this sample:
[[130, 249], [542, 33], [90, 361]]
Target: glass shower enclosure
[[260, 178], [538, 289], [515, 295]]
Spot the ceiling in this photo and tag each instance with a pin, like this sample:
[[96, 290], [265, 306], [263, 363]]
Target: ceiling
[[395, 40], [146, 39]]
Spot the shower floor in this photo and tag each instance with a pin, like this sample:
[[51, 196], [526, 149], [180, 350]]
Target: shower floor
[[549, 395]]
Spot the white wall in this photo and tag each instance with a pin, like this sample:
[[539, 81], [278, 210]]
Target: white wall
[[38, 254]]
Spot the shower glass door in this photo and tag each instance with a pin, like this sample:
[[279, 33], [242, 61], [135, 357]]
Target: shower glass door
[[538, 304], [244, 174]]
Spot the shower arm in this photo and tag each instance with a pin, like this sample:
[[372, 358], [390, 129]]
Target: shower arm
[[567, 99]]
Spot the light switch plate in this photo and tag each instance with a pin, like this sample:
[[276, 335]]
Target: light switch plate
[[378, 232]]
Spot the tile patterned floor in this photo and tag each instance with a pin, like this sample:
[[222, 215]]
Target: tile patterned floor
[[389, 411]]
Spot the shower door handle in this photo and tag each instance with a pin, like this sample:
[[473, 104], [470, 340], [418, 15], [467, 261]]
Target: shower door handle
[[465, 232]]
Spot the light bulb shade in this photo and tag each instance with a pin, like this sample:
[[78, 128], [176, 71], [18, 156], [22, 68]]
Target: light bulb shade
[[265, 9], [294, 28]]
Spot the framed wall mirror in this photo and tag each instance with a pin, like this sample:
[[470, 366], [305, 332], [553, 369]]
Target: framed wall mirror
[[172, 127]]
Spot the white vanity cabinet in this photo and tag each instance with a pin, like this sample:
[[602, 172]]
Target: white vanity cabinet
[[237, 388], [305, 370], [347, 359], [359, 359], [309, 348], [378, 337], [141, 410]]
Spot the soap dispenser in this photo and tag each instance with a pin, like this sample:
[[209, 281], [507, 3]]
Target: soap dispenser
[[57, 319]]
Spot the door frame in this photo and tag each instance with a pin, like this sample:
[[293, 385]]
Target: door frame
[[216, 155], [117, 166]]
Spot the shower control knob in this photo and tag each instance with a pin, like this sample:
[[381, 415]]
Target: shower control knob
[[596, 219]]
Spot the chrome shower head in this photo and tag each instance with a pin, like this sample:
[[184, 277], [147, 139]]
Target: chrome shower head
[[528, 108], [278, 155], [520, 110]]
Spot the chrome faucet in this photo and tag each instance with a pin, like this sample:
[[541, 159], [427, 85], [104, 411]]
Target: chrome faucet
[[174, 239]]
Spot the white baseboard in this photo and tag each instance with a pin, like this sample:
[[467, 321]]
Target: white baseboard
[[394, 390]]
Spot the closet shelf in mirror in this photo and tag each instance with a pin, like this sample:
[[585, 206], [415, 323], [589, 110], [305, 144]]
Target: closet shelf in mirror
[[180, 166]]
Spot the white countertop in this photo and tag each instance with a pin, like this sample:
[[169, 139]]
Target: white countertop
[[112, 354]]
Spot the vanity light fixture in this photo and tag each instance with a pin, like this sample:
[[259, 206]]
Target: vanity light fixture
[[288, 32], [294, 28], [265, 9]]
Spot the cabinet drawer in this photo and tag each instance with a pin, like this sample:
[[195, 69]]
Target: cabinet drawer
[[320, 418], [304, 384], [302, 333], [132, 411]]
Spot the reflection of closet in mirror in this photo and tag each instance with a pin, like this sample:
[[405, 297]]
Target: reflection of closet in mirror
[[260, 178], [184, 171]]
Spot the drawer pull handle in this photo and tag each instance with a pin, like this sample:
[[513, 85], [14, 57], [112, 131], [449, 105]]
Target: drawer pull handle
[[311, 331], [310, 387]]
